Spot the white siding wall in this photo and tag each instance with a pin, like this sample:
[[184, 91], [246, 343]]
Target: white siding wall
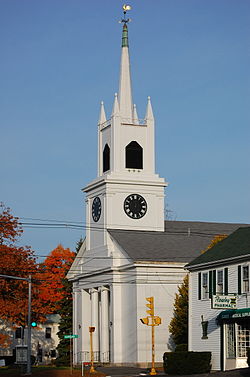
[[197, 308]]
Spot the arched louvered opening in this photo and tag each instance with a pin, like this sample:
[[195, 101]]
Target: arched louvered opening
[[106, 158], [134, 156]]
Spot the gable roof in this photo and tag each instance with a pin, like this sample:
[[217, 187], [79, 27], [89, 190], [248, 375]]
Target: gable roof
[[181, 242], [235, 245]]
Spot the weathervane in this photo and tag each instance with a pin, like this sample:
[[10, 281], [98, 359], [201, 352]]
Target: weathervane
[[125, 9]]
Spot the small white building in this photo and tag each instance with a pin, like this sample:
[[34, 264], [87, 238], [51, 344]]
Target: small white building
[[219, 301], [130, 252], [44, 339]]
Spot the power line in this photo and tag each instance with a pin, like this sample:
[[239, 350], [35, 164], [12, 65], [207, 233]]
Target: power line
[[74, 225]]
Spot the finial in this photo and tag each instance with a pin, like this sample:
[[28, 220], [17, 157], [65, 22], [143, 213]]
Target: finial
[[135, 116], [102, 116], [125, 28], [125, 9], [149, 111], [116, 109]]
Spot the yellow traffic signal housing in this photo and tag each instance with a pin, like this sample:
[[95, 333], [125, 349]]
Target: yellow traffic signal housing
[[145, 321], [150, 305], [157, 321]]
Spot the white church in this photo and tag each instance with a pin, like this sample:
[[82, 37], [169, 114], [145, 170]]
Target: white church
[[130, 252]]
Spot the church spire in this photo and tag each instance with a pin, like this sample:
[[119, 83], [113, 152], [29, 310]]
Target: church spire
[[102, 116], [125, 88], [149, 112]]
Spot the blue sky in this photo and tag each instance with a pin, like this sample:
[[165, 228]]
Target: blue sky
[[60, 58]]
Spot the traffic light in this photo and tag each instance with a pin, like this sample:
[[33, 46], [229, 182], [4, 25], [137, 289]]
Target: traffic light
[[33, 324], [150, 305], [157, 320], [145, 321]]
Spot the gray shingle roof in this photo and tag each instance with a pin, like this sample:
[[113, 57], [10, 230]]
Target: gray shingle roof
[[181, 242], [236, 244]]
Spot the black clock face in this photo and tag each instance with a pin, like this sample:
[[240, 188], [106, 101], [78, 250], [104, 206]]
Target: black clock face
[[96, 208], [135, 206]]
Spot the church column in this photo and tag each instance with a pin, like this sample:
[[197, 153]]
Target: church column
[[85, 323], [104, 324], [95, 319]]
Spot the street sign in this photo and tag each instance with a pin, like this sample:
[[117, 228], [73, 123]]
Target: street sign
[[72, 336], [21, 354]]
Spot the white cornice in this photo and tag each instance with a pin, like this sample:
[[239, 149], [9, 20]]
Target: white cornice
[[106, 180]]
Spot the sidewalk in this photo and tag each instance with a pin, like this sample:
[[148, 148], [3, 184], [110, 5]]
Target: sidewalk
[[137, 372]]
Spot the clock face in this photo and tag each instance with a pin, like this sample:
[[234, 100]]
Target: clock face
[[96, 208], [135, 206]]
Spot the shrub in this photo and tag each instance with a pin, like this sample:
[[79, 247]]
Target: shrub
[[181, 347], [186, 362]]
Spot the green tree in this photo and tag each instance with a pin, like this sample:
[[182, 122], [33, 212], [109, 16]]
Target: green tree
[[79, 244], [66, 313], [65, 325], [178, 326]]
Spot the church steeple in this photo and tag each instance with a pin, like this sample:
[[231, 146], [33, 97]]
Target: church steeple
[[127, 193], [125, 87]]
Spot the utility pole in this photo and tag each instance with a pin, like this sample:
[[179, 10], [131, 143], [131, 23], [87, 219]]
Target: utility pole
[[29, 330], [29, 318]]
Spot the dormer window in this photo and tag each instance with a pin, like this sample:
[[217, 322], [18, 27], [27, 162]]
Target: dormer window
[[134, 156], [106, 158]]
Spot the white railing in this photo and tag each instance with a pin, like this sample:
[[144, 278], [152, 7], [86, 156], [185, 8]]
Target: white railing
[[84, 357]]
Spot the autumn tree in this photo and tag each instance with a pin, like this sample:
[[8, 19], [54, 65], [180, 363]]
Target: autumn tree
[[15, 261], [215, 240], [178, 326], [53, 271]]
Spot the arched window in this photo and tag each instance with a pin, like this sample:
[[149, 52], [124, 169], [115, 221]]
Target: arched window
[[134, 156], [106, 158]]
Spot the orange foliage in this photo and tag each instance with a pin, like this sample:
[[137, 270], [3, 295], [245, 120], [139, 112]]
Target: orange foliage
[[10, 229], [5, 340], [19, 262], [54, 270]]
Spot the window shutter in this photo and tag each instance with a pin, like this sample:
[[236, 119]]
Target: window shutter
[[199, 286], [214, 282], [210, 284], [18, 333], [239, 280], [226, 281]]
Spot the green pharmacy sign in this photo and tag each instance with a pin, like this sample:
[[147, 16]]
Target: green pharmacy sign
[[224, 302]]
